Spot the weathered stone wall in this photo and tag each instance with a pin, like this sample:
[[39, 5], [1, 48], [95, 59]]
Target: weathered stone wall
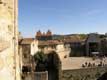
[[26, 56], [9, 57], [63, 51], [83, 74]]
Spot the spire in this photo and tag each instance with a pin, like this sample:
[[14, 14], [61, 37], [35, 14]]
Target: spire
[[38, 33], [49, 33]]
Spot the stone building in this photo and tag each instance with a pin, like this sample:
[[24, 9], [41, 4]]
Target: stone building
[[93, 44], [44, 36], [27, 48], [30, 46], [9, 57], [76, 45], [54, 45]]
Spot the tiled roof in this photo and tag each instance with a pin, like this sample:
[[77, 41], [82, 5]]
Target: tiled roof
[[26, 40], [72, 39], [50, 42]]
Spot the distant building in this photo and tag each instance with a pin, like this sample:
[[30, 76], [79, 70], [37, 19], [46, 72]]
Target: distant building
[[44, 36], [93, 44], [73, 46], [76, 45]]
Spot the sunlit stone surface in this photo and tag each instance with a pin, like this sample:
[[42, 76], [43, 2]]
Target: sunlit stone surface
[[9, 57]]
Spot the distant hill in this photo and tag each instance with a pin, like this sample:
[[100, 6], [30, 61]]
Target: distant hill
[[81, 36]]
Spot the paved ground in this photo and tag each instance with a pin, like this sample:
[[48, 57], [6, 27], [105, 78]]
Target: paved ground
[[76, 62]]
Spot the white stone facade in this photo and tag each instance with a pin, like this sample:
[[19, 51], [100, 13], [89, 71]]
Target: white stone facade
[[63, 51], [34, 47], [9, 57]]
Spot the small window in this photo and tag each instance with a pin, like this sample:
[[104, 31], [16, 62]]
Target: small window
[[25, 56]]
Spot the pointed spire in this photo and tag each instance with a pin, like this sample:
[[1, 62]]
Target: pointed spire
[[49, 33], [38, 33]]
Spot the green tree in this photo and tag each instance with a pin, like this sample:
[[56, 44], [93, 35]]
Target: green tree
[[40, 60], [40, 57], [83, 36]]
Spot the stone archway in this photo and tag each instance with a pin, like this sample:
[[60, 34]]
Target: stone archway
[[51, 64], [54, 66]]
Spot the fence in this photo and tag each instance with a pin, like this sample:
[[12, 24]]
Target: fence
[[41, 75]]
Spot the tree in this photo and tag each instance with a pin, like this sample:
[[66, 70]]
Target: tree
[[40, 60], [83, 36], [40, 57]]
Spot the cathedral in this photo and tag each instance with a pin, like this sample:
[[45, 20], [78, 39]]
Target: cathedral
[[44, 36]]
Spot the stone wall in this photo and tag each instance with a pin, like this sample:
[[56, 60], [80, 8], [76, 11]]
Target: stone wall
[[9, 57], [83, 74]]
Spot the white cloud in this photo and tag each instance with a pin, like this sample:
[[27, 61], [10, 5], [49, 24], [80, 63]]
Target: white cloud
[[93, 12]]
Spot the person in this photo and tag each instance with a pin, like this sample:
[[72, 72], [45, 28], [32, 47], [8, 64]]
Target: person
[[93, 64], [86, 63], [83, 65], [89, 64]]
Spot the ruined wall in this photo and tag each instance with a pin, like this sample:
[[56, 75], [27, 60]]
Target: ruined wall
[[83, 74], [63, 51], [9, 58]]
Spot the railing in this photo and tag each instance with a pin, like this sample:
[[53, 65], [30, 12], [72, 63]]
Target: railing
[[41, 75]]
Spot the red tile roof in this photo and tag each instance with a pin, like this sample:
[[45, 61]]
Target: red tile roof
[[72, 39], [49, 42], [26, 40]]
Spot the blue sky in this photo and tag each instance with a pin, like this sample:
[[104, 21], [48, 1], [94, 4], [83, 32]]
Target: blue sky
[[62, 16]]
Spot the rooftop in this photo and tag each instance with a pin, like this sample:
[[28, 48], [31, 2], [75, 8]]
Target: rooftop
[[26, 40]]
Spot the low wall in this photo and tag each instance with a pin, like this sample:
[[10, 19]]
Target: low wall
[[83, 74]]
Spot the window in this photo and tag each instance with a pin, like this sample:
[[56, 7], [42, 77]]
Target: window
[[25, 55]]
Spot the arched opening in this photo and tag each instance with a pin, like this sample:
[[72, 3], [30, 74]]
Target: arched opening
[[51, 64], [54, 66]]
